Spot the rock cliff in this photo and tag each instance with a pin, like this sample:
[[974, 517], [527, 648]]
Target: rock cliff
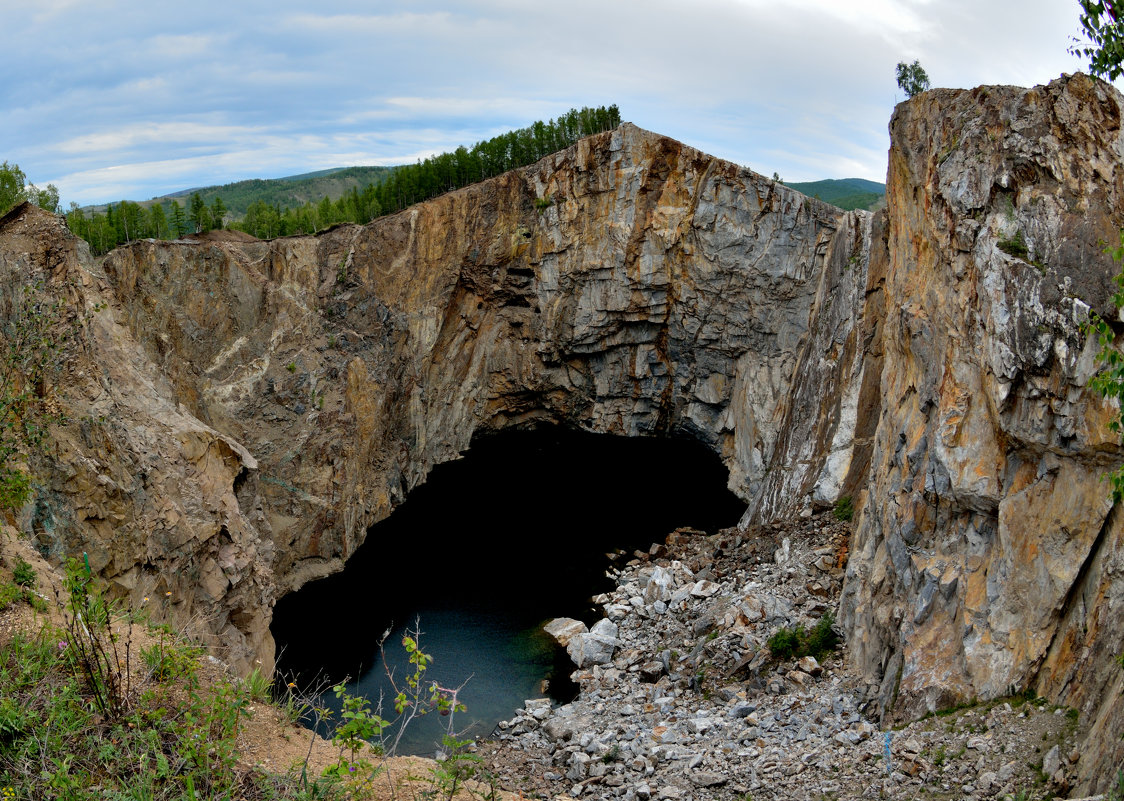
[[988, 557], [239, 413]]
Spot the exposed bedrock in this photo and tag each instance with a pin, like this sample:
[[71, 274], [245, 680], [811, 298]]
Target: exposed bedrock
[[241, 412], [988, 557], [629, 285]]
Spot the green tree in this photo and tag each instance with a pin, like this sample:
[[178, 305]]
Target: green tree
[[46, 199], [199, 214], [179, 222], [912, 78], [13, 186], [1103, 27], [158, 221], [218, 212]]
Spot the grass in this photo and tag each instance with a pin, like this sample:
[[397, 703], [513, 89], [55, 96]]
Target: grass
[[74, 726]]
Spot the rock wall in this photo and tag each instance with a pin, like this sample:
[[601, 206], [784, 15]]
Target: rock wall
[[240, 412], [628, 285], [133, 479], [988, 556]]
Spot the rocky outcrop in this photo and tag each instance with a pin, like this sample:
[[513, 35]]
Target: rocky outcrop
[[628, 285], [988, 556], [133, 480], [241, 412]]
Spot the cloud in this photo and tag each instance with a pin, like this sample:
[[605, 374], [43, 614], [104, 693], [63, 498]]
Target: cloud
[[231, 92], [170, 134]]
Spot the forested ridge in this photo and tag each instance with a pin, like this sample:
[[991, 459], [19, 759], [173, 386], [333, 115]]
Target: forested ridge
[[268, 209], [845, 193]]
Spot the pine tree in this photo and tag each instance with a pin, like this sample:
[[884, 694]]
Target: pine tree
[[179, 223]]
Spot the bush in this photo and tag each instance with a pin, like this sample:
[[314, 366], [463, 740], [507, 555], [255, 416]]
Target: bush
[[1015, 246], [822, 639], [23, 574], [787, 643], [844, 508]]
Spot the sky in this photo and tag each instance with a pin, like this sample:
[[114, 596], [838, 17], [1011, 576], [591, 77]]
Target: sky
[[129, 100]]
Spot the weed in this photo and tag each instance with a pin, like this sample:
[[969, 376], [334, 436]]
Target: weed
[[1014, 246], [543, 203], [291, 367], [36, 333], [93, 647], [1116, 793], [821, 640], [844, 508], [72, 725], [10, 595], [257, 685], [455, 765], [24, 575]]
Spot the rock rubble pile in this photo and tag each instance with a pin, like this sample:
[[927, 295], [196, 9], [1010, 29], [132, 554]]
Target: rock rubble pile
[[681, 697]]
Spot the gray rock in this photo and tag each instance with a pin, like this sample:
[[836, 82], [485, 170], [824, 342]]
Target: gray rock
[[564, 629], [707, 779], [1052, 762], [659, 587], [741, 710], [592, 649]]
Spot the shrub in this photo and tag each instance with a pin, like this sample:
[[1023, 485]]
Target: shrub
[[844, 508], [1015, 246], [821, 640], [23, 574], [786, 642]]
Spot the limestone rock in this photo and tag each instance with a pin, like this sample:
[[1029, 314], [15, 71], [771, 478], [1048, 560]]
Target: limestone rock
[[564, 629], [987, 530]]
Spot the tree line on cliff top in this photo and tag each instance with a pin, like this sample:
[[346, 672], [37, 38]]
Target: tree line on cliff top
[[387, 190]]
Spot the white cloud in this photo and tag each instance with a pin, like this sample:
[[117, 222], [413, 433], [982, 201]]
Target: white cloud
[[229, 92], [145, 133]]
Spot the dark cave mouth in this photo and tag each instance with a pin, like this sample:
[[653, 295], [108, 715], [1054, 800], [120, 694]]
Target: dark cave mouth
[[518, 531]]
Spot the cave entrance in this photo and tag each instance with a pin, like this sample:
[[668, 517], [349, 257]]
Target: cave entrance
[[521, 530]]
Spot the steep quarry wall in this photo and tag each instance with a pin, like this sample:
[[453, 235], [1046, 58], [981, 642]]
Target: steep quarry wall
[[988, 556], [629, 285], [240, 412]]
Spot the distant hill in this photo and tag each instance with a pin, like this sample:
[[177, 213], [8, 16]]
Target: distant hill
[[294, 190], [846, 193]]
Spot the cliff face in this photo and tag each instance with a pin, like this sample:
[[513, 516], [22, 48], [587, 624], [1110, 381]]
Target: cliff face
[[989, 557], [628, 285], [241, 412]]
